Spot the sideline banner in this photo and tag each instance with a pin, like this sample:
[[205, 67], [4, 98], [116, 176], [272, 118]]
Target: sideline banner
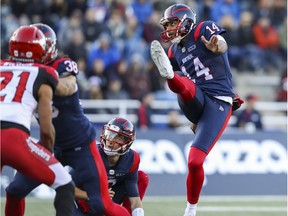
[[239, 164]]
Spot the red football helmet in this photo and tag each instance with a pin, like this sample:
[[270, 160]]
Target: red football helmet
[[51, 40], [185, 19], [28, 44], [117, 136]]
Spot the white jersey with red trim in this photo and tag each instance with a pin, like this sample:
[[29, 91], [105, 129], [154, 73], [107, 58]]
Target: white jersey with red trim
[[20, 83]]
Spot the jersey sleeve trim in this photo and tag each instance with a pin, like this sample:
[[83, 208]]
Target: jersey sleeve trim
[[170, 53], [197, 31]]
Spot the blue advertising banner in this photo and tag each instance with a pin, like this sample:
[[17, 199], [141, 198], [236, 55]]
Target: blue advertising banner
[[239, 164]]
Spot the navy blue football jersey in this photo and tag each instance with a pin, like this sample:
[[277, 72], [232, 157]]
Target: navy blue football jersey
[[124, 174], [210, 71], [72, 127]]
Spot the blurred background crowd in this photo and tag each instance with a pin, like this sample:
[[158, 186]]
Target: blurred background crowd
[[110, 40]]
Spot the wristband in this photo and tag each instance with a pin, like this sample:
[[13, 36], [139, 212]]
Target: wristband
[[138, 212]]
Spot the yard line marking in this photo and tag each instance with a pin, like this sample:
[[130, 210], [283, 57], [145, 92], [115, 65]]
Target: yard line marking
[[243, 198], [219, 198], [241, 209]]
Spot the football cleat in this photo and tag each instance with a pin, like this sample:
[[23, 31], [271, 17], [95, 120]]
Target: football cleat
[[161, 60]]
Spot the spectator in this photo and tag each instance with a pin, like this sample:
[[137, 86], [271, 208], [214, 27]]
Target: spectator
[[117, 28], [152, 28], [134, 42], [76, 49], [82, 80], [268, 39], [100, 10], [204, 9], [76, 5], [145, 112], [156, 81], [279, 12], [114, 90], [92, 29], [137, 78], [95, 91], [98, 70], [121, 71], [264, 8], [224, 7], [232, 38], [250, 57], [67, 27], [142, 9], [250, 119], [105, 51], [174, 119], [283, 38]]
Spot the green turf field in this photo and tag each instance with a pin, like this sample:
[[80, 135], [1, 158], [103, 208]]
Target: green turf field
[[174, 206]]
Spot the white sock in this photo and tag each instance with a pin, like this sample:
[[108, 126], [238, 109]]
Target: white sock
[[191, 206], [190, 209]]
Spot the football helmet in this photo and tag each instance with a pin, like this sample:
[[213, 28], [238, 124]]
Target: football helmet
[[185, 19], [51, 40], [28, 44], [117, 136]]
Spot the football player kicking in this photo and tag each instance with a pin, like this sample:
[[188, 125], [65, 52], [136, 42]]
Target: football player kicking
[[75, 143], [127, 184], [198, 71], [27, 85]]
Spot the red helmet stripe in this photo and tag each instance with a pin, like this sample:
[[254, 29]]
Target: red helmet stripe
[[180, 9]]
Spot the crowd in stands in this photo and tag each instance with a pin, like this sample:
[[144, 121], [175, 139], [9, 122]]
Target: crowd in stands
[[110, 39]]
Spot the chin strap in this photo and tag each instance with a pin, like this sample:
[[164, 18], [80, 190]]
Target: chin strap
[[138, 212]]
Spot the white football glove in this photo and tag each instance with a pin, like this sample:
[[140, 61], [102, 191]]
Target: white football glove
[[138, 212]]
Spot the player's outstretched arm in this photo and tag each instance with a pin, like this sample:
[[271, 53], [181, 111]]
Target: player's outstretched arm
[[66, 86], [47, 131], [216, 44]]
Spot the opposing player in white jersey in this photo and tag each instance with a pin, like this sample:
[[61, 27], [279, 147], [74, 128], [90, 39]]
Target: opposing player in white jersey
[[27, 85]]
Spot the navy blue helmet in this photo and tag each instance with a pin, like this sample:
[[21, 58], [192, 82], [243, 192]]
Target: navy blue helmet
[[184, 19], [117, 136]]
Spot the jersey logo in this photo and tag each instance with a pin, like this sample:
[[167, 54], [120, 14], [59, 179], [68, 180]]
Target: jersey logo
[[221, 108], [40, 152], [191, 48], [187, 58]]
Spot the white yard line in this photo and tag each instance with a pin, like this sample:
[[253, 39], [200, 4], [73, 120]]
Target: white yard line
[[219, 198], [241, 209]]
